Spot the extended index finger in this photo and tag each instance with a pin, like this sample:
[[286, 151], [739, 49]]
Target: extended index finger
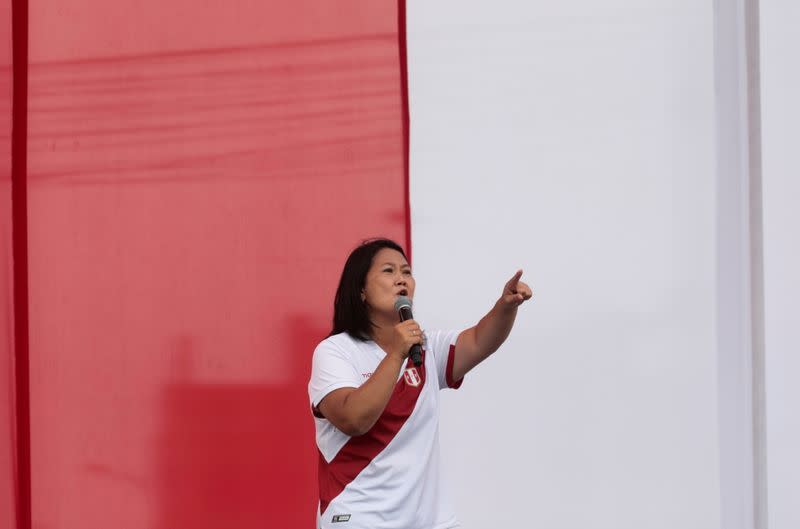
[[512, 283]]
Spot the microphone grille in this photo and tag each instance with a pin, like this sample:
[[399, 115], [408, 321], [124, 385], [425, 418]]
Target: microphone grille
[[401, 302]]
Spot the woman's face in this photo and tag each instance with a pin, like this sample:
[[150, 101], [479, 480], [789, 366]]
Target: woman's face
[[389, 276]]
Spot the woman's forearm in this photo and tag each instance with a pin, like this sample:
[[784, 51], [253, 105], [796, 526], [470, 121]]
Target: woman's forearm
[[363, 406], [475, 344], [494, 328]]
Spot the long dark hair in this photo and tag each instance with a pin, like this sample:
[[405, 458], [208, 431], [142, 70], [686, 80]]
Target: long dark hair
[[349, 311]]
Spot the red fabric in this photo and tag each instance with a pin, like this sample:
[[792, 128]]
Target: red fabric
[[8, 479], [403, 49], [197, 174], [455, 384], [359, 451]]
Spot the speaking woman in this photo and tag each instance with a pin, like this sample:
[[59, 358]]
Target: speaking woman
[[376, 412]]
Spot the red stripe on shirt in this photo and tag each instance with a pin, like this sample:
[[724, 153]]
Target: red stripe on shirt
[[359, 451], [449, 370]]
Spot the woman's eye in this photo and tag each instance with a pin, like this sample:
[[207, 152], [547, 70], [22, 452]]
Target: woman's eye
[[407, 272]]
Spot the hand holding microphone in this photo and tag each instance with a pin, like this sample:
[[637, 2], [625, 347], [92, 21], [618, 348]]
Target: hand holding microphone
[[403, 308]]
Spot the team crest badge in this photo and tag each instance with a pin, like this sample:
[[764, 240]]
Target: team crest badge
[[412, 377]]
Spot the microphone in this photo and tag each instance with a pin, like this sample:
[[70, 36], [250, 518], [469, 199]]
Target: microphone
[[403, 308]]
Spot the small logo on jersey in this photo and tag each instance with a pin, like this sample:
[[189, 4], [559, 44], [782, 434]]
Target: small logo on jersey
[[341, 518], [412, 377]]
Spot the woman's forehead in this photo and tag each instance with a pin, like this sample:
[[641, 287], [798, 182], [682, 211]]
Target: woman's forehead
[[389, 256]]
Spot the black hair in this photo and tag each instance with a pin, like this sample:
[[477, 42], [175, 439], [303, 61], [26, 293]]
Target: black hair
[[350, 313]]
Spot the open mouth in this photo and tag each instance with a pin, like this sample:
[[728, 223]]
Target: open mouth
[[403, 292]]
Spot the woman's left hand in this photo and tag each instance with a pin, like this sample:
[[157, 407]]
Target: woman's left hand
[[515, 293]]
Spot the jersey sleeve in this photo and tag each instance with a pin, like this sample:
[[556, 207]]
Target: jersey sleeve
[[442, 345], [331, 368]]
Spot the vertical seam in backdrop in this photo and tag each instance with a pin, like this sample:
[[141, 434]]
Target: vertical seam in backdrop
[[752, 46], [19, 234], [402, 43]]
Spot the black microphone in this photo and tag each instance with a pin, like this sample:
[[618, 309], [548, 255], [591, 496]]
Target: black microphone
[[403, 308]]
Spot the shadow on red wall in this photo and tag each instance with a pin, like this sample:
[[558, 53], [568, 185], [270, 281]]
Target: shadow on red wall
[[228, 453]]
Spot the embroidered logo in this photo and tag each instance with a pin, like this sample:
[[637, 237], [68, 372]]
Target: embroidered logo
[[412, 377], [341, 518]]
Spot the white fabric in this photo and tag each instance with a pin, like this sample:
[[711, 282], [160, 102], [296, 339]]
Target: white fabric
[[401, 487]]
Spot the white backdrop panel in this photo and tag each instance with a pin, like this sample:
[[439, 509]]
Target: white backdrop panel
[[780, 111], [575, 140]]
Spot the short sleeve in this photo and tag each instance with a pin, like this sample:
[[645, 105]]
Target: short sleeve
[[331, 368], [442, 345]]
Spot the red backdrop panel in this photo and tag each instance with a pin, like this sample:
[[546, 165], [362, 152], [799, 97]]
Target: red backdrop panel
[[7, 386], [197, 174]]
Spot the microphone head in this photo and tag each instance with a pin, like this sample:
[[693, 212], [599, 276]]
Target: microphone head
[[401, 302]]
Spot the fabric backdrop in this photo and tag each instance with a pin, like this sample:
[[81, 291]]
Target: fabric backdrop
[[196, 175]]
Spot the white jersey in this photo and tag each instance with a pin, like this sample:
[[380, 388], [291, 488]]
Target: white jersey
[[389, 477]]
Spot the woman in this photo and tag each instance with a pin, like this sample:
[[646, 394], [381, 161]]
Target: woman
[[376, 413]]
